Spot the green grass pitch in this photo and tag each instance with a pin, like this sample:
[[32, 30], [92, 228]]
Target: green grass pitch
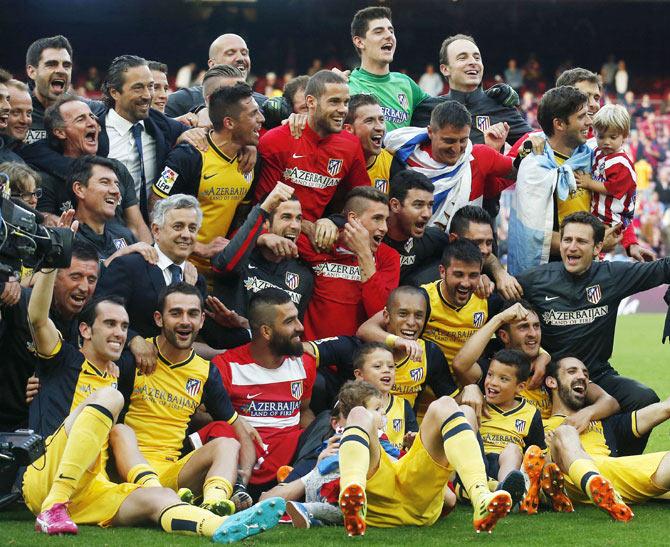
[[638, 353]]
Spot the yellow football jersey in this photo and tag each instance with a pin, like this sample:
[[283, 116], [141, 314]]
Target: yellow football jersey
[[399, 420], [540, 399], [521, 425], [380, 172], [162, 403], [451, 327], [577, 200]]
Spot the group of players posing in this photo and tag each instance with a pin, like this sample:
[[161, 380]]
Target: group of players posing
[[476, 438]]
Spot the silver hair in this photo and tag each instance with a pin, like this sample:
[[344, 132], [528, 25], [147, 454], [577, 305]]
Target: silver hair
[[177, 201]]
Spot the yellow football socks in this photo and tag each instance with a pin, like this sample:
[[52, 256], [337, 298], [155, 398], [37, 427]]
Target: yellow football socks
[[354, 457], [183, 518], [216, 489], [144, 475], [581, 471], [464, 454], [85, 440]]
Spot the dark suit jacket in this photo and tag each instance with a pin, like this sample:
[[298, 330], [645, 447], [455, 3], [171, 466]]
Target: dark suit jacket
[[140, 284], [165, 130]]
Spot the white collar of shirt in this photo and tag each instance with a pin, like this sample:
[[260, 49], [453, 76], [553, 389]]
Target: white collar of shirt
[[120, 124], [164, 262]]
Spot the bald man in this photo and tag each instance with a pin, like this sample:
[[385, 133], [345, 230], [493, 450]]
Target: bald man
[[227, 49]]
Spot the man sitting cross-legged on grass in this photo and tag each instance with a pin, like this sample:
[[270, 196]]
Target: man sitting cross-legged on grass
[[67, 485], [376, 491], [589, 460], [184, 381]]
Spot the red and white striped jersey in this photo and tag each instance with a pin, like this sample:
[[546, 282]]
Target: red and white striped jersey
[[269, 399], [616, 171]]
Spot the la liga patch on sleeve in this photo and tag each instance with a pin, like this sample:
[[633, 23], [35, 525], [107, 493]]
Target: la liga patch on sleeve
[[166, 181]]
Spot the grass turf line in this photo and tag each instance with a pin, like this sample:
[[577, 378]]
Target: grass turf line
[[637, 353]]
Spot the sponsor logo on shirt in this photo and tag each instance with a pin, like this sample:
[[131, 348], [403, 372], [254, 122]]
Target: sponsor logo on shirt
[[482, 123], [407, 260], [35, 135], [255, 284], [576, 317], [520, 425], [270, 409], [414, 388], [296, 389], [334, 166], [338, 271], [166, 181], [223, 192], [593, 294], [309, 179], [164, 398], [193, 386], [394, 116], [292, 280], [397, 424]]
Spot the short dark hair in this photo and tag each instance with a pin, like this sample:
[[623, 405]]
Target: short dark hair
[[462, 219], [82, 169], [514, 358], [355, 102], [509, 303], [157, 65], [444, 58], [83, 250], [463, 250], [52, 42], [219, 71], [116, 75], [575, 75], [89, 312], [559, 102], [225, 102], [554, 365], [584, 217], [260, 305], [352, 394], [54, 120], [361, 353], [407, 179], [181, 288], [450, 113], [360, 24], [405, 290], [356, 196], [316, 86], [5, 76], [293, 86]]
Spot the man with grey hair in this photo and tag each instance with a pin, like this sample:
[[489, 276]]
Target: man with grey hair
[[227, 49], [174, 226]]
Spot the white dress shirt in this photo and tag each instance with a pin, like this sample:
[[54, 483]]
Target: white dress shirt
[[164, 262], [122, 147]]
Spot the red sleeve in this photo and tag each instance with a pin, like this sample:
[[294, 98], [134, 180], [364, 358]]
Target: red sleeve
[[221, 363], [619, 180], [310, 370], [514, 151], [305, 249], [629, 238], [269, 148], [376, 290], [493, 166], [358, 173]]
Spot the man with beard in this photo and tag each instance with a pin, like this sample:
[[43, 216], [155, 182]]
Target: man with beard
[[213, 176], [49, 66], [365, 119], [324, 160], [227, 49], [73, 131], [160, 429], [591, 460], [269, 381]]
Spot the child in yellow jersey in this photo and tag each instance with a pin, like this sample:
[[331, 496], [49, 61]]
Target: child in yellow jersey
[[513, 424], [374, 364]]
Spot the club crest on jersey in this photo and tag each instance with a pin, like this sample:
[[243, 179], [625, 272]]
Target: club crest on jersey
[[292, 280], [416, 374], [594, 294], [119, 243], [478, 319], [402, 99], [334, 166], [520, 425], [482, 123], [193, 386], [296, 389], [397, 424], [382, 185]]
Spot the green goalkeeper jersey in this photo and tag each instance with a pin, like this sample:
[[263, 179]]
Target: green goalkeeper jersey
[[397, 93]]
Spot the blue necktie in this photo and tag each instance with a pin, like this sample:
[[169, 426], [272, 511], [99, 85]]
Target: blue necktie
[[136, 130], [176, 273]]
